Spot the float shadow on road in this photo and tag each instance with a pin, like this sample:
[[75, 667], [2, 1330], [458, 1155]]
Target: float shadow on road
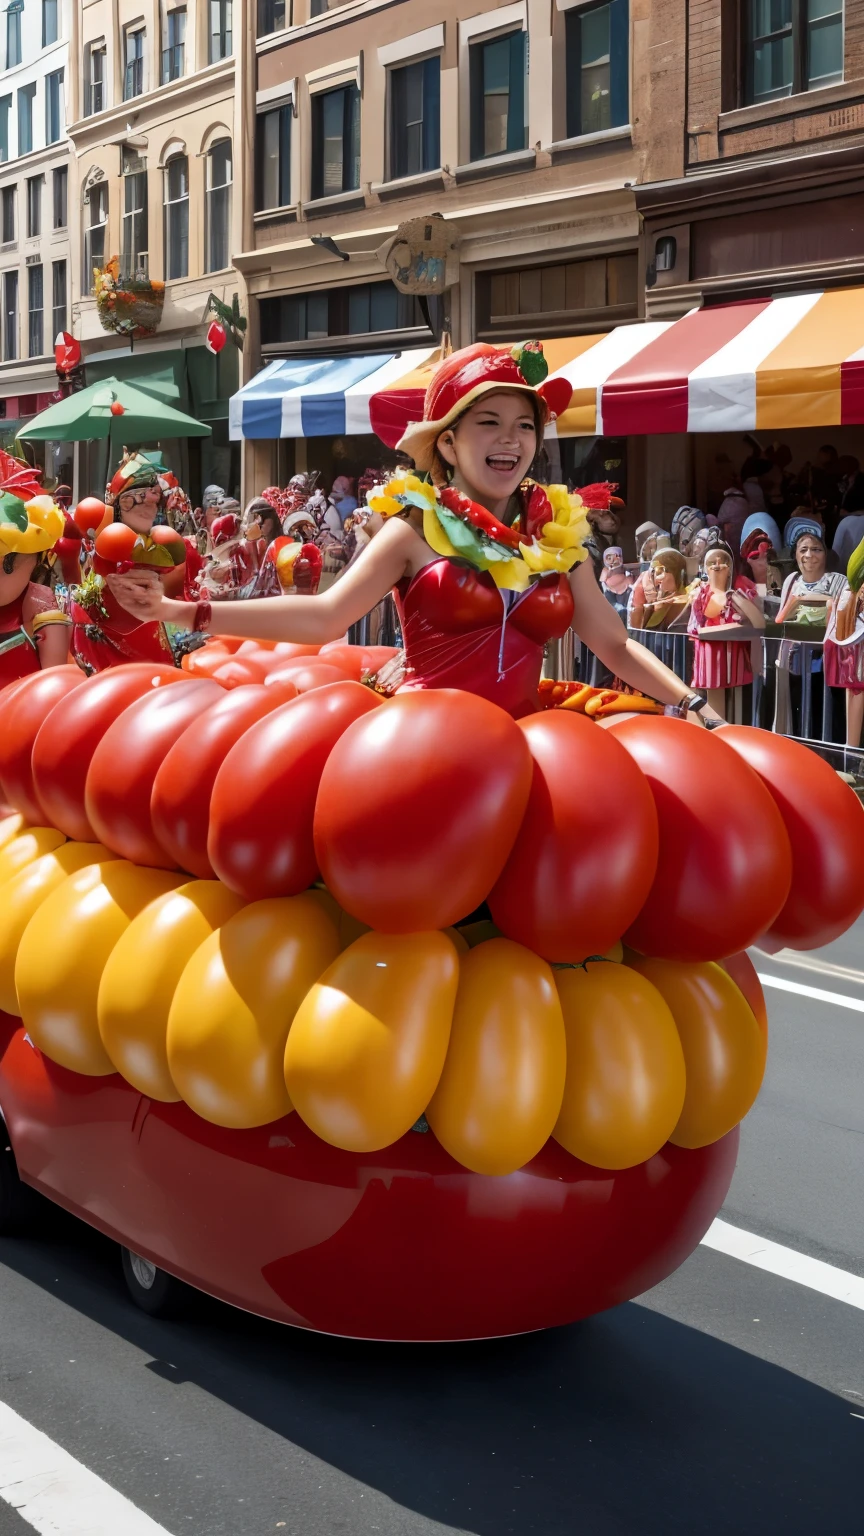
[[627, 1425]]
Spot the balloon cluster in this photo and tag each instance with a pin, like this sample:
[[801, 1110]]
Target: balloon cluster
[[328, 955]]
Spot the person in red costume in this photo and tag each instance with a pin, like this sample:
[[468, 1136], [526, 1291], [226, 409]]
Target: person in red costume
[[33, 631], [486, 567], [105, 633]]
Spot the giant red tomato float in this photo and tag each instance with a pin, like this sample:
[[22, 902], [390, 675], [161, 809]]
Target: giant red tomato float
[[180, 801], [586, 852], [70, 734], [126, 761], [725, 864], [22, 714], [261, 808], [419, 807], [825, 825]]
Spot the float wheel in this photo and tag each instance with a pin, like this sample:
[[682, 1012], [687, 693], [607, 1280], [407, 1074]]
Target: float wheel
[[152, 1289]]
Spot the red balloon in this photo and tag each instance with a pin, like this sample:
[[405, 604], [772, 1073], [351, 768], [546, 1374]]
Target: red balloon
[[238, 672], [71, 733], [126, 761], [350, 659], [22, 715], [823, 820], [306, 677], [116, 542], [419, 807], [90, 514], [586, 852], [180, 801], [725, 864], [289, 650], [206, 660], [263, 799], [743, 972]]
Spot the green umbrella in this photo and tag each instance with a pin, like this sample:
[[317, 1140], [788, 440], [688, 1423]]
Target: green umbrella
[[86, 415]]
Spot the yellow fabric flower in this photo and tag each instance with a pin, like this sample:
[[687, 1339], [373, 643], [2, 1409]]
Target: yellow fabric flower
[[403, 491], [45, 525], [560, 544]]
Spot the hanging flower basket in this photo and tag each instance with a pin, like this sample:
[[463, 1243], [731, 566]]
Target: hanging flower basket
[[127, 305]]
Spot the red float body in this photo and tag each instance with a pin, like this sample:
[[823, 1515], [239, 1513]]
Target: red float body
[[402, 1244]]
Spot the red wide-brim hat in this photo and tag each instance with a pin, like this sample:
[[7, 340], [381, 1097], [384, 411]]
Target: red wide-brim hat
[[466, 375]]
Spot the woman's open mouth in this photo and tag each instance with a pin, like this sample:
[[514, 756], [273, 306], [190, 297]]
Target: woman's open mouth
[[503, 463]]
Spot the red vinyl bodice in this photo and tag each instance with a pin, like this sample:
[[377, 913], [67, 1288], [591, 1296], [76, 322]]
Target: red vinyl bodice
[[460, 631], [21, 659]]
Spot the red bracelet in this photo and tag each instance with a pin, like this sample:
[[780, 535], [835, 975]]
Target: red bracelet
[[203, 615]]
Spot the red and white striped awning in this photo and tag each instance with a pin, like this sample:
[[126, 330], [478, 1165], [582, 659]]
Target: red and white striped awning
[[760, 366]]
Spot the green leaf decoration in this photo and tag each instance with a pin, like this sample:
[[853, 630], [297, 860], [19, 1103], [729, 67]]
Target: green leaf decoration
[[855, 568], [13, 510], [531, 363], [470, 542]]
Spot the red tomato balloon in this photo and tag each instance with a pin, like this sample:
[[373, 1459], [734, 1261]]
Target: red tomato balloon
[[90, 514], [823, 819], [586, 852], [126, 761], [116, 542], [419, 807], [743, 972], [206, 660], [22, 716], [171, 540], [351, 659], [263, 799], [725, 864], [289, 650], [180, 801], [306, 676], [238, 672], [376, 656], [71, 733]]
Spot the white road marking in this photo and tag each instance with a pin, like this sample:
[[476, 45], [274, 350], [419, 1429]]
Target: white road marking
[[818, 993], [56, 1494], [810, 963], [786, 1263]]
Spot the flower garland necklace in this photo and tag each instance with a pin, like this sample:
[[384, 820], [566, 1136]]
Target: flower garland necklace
[[548, 536]]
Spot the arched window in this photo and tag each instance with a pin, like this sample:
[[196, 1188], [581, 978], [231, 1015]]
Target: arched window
[[176, 199], [218, 220]]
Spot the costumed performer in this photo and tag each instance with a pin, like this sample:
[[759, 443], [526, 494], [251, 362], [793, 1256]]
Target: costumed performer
[[34, 632], [486, 565], [722, 604], [615, 580], [805, 599], [670, 597]]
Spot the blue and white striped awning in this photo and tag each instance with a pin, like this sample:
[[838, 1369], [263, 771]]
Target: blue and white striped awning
[[319, 396]]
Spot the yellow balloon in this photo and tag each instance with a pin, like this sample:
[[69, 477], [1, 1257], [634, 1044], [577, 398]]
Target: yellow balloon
[[367, 1045], [724, 1048], [63, 952], [27, 846], [234, 1004], [500, 1091], [624, 1089], [10, 826], [142, 974], [24, 894]]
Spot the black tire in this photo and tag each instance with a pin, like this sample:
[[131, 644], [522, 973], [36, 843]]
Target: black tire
[[153, 1290], [13, 1195]]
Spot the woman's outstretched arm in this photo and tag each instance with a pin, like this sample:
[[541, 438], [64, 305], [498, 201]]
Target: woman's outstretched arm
[[599, 627], [305, 620]]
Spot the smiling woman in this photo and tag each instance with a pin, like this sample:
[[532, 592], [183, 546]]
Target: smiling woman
[[487, 566]]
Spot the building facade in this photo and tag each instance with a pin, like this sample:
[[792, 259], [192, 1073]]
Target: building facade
[[34, 213], [157, 178]]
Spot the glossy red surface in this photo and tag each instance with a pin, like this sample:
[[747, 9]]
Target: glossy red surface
[[401, 1244]]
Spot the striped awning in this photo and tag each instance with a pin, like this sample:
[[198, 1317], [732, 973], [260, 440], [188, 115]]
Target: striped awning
[[760, 366]]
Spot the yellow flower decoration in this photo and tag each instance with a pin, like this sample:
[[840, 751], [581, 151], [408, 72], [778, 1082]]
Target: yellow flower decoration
[[45, 525], [403, 491], [560, 544]]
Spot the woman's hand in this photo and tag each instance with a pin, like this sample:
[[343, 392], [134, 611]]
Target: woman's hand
[[140, 593]]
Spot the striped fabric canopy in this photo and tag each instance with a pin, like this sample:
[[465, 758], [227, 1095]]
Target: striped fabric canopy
[[761, 366]]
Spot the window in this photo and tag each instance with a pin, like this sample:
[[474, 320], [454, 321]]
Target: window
[[273, 158], [176, 176], [13, 35], [219, 177], [792, 45], [547, 300], [94, 233], [94, 94], [598, 70], [220, 30], [58, 298], [173, 55], [53, 106], [61, 197], [49, 22], [35, 301], [5, 108], [8, 215], [336, 142], [498, 96], [271, 16], [10, 315], [415, 118], [134, 251], [34, 206], [133, 78], [26, 97], [354, 311]]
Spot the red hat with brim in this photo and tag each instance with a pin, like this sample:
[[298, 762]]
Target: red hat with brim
[[465, 376]]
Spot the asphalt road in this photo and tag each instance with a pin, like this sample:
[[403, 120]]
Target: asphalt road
[[726, 1400]]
